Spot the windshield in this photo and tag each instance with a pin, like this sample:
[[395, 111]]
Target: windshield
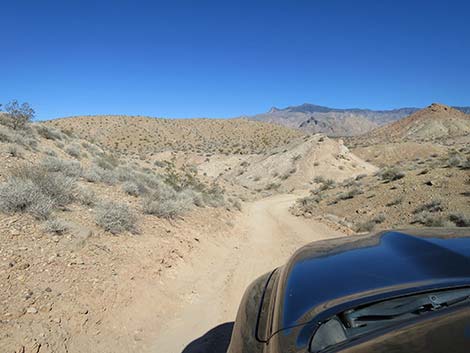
[[362, 320]]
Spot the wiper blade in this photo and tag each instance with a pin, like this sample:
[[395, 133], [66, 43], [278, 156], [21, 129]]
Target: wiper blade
[[404, 308]]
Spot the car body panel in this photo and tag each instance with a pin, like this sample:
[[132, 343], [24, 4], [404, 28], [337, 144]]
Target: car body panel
[[325, 278], [395, 261]]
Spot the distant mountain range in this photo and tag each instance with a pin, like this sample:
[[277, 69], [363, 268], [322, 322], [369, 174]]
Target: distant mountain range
[[336, 122]]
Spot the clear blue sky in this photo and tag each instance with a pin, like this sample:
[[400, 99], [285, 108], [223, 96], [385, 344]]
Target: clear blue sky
[[226, 58]]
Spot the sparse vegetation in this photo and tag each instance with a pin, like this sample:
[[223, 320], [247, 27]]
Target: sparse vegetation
[[166, 208], [73, 150], [56, 226], [115, 217], [33, 189], [370, 225], [429, 219], [459, 219], [389, 174], [17, 116], [433, 206]]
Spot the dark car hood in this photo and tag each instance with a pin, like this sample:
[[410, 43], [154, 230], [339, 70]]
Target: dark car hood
[[328, 274]]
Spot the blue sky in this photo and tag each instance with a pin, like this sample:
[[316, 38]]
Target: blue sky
[[226, 58]]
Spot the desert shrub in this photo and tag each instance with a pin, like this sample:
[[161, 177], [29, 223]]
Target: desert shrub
[[454, 160], [115, 217], [327, 184], [366, 226], [73, 150], [48, 133], [465, 164], [235, 203], [272, 186], [22, 195], [56, 226], [91, 175], [97, 174], [131, 188], [350, 183], [214, 196], [160, 164], [459, 219], [85, 196], [20, 137], [56, 165], [124, 173], [50, 153], [107, 161], [433, 206], [429, 219], [370, 225], [196, 197], [165, 208], [55, 186], [389, 174], [153, 181], [17, 116], [107, 176], [349, 194], [319, 179], [379, 218], [309, 203], [14, 151], [395, 202], [5, 135]]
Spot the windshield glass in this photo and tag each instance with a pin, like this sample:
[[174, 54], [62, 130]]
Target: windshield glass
[[362, 320]]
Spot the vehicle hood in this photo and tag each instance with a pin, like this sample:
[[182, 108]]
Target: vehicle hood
[[340, 272]]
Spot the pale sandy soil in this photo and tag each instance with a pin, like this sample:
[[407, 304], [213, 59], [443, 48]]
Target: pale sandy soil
[[205, 292], [156, 292]]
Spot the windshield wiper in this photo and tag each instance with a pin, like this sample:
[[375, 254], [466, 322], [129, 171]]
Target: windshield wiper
[[404, 308]]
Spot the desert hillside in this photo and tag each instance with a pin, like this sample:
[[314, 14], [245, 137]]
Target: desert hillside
[[136, 134], [422, 180], [437, 122]]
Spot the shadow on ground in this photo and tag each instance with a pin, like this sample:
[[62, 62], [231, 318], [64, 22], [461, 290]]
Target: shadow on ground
[[213, 341]]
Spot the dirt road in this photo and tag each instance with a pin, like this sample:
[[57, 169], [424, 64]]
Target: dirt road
[[208, 289]]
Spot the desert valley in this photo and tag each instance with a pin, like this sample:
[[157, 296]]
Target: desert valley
[[130, 233]]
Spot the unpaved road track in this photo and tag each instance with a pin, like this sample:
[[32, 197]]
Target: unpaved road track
[[210, 286]]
